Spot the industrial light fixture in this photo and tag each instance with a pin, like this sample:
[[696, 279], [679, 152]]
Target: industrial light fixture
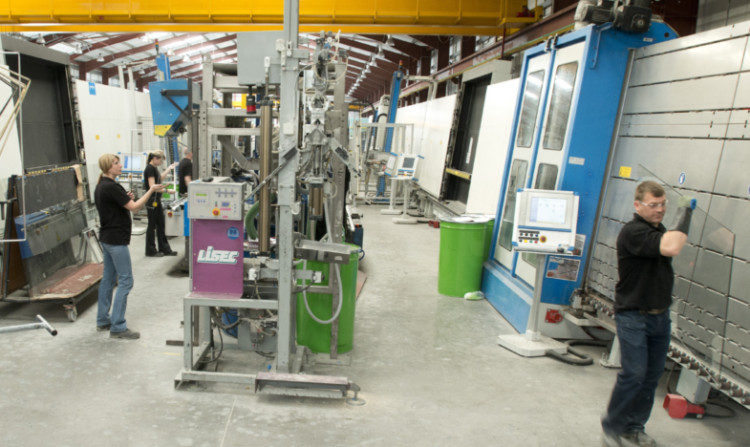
[[389, 41], [78, 48], [367, 69], [100, 58], [40, 40], [380, 50], [186, 59]]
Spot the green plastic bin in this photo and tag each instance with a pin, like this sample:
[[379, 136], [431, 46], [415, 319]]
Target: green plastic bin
[[317, 336], [463, 242]]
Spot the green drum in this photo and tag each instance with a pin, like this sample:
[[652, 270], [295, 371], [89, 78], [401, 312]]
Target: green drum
[[463, 242], [317, 336]]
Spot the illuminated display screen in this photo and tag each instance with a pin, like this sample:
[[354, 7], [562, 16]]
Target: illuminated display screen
[[408, 163], [548, 210]]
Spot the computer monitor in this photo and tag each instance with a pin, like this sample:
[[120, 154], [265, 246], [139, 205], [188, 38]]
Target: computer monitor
[[407, 165], [134, 163], [545, 221]]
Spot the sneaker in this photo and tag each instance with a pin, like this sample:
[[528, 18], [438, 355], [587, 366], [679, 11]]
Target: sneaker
[[158, 254], [638, 438], [127, 334], [611, 439], [103, 328], [170, 253]]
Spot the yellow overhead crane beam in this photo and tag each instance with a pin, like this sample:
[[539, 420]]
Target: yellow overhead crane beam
[[437, 17]]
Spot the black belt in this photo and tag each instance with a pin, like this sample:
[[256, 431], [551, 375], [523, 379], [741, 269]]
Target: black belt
[[653, 311]]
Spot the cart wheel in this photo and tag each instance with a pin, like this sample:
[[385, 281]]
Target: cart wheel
[[72, 312]]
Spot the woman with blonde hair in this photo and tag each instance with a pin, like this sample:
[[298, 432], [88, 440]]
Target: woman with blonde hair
[[114, 204], [152, 176]]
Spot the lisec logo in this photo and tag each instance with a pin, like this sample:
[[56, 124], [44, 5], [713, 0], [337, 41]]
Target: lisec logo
[[211, 256]]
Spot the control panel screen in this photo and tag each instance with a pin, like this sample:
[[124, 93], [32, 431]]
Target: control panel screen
[[408, 163], [545, 210]]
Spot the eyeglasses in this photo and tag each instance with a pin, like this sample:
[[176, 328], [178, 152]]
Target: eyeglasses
[[655, 204]]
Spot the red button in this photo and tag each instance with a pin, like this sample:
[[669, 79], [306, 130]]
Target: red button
[[215, 212]]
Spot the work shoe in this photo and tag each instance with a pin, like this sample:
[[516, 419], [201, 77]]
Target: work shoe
[[158, 254], [610, 439], [127, 334], [170, 253], [103, 328], [638, 438]]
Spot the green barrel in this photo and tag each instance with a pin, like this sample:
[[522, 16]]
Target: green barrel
[[317, 336], [462, 252], [488, 238]]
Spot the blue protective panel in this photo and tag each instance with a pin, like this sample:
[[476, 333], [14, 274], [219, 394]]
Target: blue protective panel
[[163, 111], [30, 220], [586, 148]]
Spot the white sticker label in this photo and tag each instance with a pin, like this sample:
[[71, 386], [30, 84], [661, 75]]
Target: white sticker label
[[577, 161]]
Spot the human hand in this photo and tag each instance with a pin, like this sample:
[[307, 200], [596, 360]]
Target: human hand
[[131, 195], [687, 202], [157, 187]]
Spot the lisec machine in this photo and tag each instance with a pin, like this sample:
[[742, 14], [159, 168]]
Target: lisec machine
[[259, 247], [569, 97]]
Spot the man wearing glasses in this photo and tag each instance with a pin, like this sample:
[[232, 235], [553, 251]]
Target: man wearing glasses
[[643, 295]]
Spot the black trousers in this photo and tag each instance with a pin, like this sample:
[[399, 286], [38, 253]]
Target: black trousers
[[156, 228]]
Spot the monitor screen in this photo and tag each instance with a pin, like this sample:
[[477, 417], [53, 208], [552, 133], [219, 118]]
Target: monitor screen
[[407, 163], [548, 210], [132, 163]]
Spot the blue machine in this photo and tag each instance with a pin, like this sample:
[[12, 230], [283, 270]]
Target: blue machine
[[398, 76], [562, 133]]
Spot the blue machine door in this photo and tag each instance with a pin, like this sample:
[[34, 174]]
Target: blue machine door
[[523, 148], [552, 148]]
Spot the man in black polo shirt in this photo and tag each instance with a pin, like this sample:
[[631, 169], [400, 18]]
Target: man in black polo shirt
[[642, 298], [185, 172]]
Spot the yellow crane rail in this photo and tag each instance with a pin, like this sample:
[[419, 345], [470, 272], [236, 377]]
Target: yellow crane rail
[[466, 17]]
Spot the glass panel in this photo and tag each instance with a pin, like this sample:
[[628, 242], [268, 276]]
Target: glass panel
[[530, 108], [559, 108], [702, 311], [517, 180], [546, 177]]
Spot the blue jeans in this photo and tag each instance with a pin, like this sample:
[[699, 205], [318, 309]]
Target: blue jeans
[[117, 269], [644, 340]]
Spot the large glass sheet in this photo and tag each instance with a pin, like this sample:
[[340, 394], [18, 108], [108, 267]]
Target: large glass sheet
[[530, 110], [701, 308], [559, 108], [516, 180]]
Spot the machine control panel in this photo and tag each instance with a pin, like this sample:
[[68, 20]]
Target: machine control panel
[[545, 221], [220, 199]]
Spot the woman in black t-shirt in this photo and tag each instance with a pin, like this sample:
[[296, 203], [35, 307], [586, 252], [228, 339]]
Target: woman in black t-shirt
[[152, 176], [114, 204]]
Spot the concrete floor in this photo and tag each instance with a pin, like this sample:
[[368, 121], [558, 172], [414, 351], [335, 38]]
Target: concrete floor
[[429, 367]]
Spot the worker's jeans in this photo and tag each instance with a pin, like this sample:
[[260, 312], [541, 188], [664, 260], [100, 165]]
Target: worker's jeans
[[644, 340], [117, 270]]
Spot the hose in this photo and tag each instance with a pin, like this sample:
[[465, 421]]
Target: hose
[[250, 229], [583, 359], [341, 298]]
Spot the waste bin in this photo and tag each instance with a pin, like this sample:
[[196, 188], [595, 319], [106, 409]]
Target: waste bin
[[317, 336], [462, 251]]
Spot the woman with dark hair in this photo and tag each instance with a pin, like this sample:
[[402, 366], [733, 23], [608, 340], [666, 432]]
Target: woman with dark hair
[[152, 176], [114, 204]]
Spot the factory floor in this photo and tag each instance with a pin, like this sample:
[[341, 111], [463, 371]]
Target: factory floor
[[429, 367]]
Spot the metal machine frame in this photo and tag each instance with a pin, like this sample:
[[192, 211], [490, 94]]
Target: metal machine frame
[[324, 137]]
